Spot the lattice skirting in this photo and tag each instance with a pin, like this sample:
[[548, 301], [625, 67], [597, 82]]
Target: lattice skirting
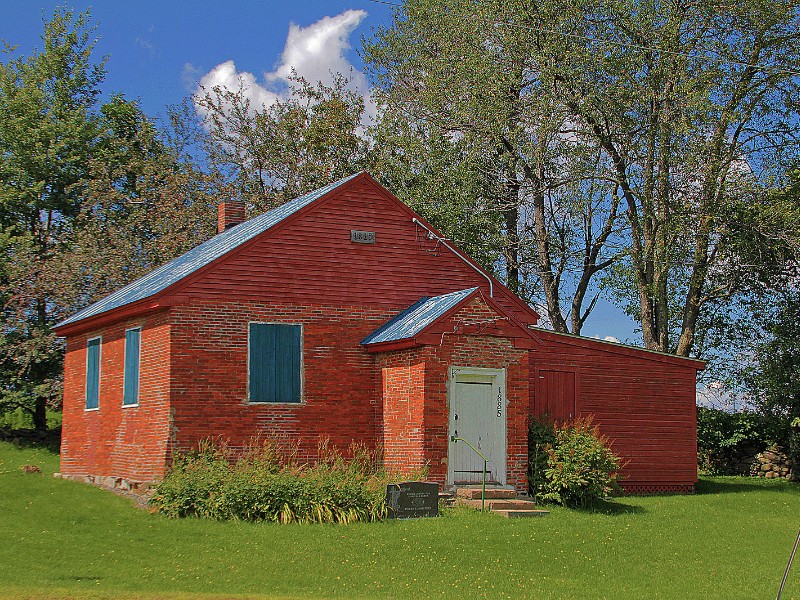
[[641, 489]]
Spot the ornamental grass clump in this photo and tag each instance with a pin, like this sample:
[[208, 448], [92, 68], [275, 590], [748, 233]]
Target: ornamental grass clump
[[263, 484], [580, 467]]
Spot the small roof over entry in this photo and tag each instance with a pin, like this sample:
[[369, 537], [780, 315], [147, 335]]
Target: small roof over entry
[[413, 326]]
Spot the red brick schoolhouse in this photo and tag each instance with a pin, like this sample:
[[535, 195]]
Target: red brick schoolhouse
[[343, 315]]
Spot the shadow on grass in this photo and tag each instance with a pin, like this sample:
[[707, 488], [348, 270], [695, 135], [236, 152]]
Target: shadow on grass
[[612, 507], [737, 485], [30, 438]]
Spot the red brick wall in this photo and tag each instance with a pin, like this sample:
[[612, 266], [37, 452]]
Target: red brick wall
[[458, 350], [115, 441], [340, 398], [402, 429], [485, 352], [349, 395]]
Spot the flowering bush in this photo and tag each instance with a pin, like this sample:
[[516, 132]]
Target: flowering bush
[[580, 469]]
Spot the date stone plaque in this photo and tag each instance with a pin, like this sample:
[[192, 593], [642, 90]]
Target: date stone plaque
[[362, 237], [412, 499]]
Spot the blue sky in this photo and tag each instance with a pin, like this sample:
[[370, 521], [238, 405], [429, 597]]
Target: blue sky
[[159, 51]]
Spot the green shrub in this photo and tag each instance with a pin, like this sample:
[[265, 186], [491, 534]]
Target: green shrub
[[727, 442], [580, 466], [193, 486], [20, 419], [263, 485], [541, 437], [794, 448]]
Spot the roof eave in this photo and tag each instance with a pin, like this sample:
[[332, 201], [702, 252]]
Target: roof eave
[[625, 349], [390, 346], [141, 307]]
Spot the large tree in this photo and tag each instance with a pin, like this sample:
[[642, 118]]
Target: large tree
[[91, 196], [48, 132], [479, 75], [677, 116], [694, 108]]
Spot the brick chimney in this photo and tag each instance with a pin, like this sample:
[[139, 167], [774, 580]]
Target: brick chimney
[[229, 213]]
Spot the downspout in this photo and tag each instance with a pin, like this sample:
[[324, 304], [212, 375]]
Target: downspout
[[444, 243]]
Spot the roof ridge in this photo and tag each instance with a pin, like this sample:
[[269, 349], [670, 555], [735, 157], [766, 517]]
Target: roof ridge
[[213, 248]]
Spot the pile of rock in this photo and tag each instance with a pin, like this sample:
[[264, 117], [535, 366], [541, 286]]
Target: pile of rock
[[773, 463]]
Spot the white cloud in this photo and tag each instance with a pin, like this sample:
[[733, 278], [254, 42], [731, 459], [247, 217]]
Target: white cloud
[[314, 52], [146, 44], [226, 76], [611, 338], [317, 50], [190, 75]]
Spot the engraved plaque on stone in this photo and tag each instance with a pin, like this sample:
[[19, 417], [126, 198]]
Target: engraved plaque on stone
[[412, 499]]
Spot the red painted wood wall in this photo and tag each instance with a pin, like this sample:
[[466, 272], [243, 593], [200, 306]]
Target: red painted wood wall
[[644, 402], [311, 260]]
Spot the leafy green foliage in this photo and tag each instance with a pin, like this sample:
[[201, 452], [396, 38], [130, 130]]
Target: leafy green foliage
[[91, 197], [470, 120], [723, 436], [268, 155], [22, 420], [641, 135], [775, 379], [262, 485], [47, 136], [580, 467], [794, 446], [541, 438]]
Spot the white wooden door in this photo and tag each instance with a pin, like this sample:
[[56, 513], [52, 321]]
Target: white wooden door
[[477, 415]]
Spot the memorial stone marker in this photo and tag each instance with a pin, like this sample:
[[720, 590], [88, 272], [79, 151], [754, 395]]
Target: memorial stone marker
[[412, 499]]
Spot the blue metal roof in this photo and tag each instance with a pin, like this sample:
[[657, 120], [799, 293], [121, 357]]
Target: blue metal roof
[[166, 275], [417, 317]]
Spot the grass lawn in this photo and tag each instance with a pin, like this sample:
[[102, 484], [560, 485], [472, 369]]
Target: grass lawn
[[63, 539]]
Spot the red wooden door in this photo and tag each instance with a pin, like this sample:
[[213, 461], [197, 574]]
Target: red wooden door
[[555, 395]]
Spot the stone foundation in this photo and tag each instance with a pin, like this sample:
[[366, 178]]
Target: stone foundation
[[138, 490]]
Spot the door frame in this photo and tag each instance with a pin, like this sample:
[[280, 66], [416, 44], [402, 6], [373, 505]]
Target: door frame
[[499, 384]]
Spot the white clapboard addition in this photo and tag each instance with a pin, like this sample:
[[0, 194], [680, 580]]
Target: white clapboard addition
[[477, 414]]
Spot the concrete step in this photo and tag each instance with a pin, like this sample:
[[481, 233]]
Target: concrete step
[[521, 514], [472, 493], [447, 499], [503, 504]]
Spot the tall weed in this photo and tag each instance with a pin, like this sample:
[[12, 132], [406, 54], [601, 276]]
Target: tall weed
[[265, 484]]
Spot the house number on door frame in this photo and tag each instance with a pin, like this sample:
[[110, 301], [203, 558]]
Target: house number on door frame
[[499, 403]]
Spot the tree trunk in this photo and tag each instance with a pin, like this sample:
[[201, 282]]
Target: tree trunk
[[511, 246], [40, 415], [550, 281]]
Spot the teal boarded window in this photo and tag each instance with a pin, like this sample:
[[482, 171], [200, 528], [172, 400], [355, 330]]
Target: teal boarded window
[[93, 373], [275, 362], [130, 394]]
